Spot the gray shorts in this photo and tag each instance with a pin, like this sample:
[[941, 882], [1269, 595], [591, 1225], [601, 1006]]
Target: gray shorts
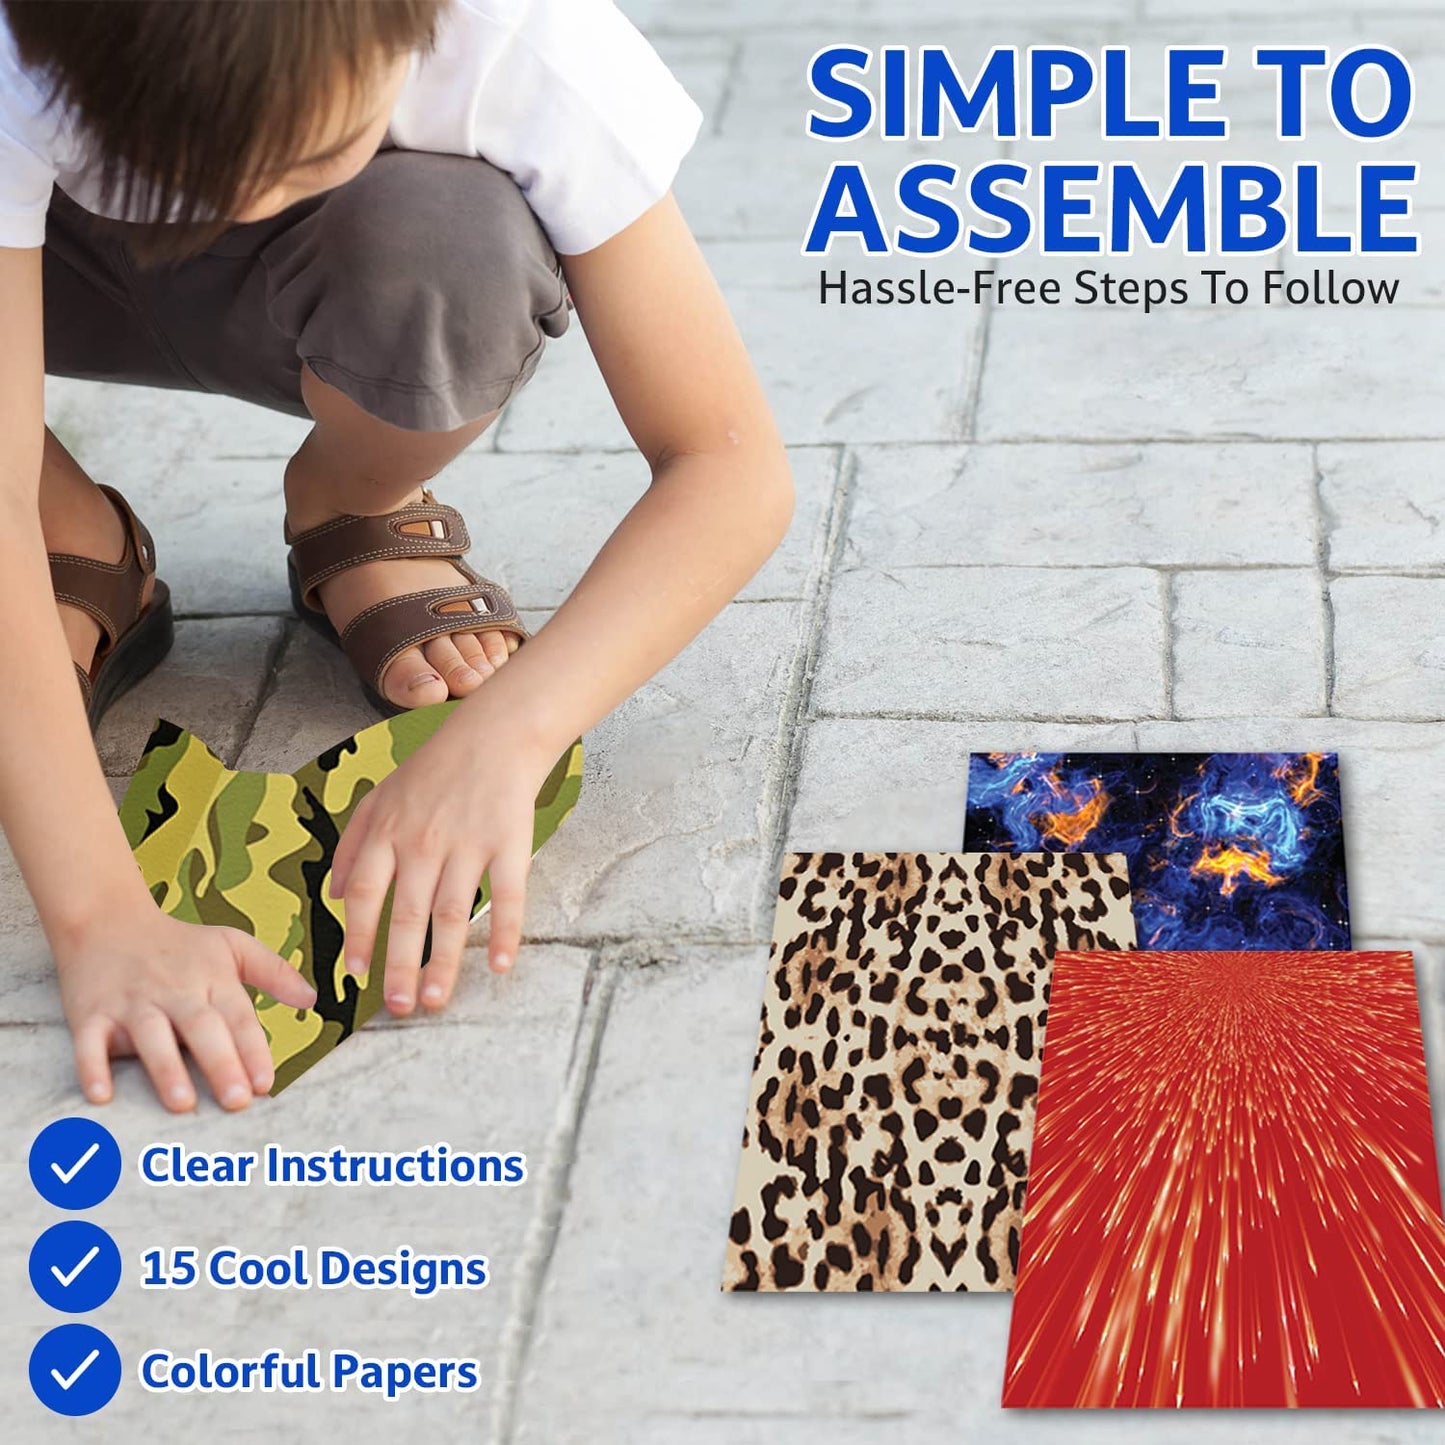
[[424, 290]]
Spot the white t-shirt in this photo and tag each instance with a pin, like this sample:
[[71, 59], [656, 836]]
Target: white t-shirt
[[565, 95]]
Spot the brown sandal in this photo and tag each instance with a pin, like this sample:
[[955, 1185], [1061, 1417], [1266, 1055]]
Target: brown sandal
[[134, 638], [377, 634]]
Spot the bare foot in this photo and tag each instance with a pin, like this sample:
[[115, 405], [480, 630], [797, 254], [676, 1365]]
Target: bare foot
[[442, 668]]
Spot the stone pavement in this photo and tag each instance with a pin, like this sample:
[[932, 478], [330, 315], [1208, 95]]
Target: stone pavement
[[1196, 529]]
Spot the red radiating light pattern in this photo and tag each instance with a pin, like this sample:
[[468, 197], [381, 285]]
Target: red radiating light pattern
[[1233, 1196]]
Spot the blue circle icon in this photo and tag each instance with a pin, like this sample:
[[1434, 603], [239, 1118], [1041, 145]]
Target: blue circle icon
[[74, 1370], [74, 1163], [75, 1266]]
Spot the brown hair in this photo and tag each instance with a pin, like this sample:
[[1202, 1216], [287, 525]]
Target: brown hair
[[189, 102]]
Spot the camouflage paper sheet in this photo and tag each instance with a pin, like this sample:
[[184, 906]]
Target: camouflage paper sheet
[[254, 850]]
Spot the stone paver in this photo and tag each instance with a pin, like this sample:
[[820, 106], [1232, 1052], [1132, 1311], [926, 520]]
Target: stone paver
[[209, 683], [1384, 507], [180, 507], [1389, 649], [994, 642], [1018, 528], [123, 435], [397, 1089], [314, 701], [881, 785], [539, 518], [810, 19], [1090, 506], [1250, 372], [1248, 642], [829, 370], [673, 824], [635, 1344]]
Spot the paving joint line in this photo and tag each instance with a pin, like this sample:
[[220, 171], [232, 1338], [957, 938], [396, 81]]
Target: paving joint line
[[977, 359], [796, 710], [1164, 568], [730, 83], [1324, 535], [1057, 439], [270, 680], [1166, 608], [530, 1270]]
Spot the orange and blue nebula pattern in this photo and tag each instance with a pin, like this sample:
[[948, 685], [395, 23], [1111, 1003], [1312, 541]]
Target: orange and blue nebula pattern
[[1226, 850], [1233, 1198]]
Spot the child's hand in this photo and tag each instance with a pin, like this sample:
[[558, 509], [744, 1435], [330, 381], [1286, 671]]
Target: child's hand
[[457, 808], [148, 984]]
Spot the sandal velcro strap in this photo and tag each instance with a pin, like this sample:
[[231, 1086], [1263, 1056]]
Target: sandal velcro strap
[[423, 529], [379, 633], [110, 592]]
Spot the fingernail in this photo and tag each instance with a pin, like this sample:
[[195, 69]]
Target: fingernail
[[353, 965], [501, 963], [310, 1002], [432, 993], [398, 1000], [262, 1084], [96, 1093], [180, 1096], [235, 1096]]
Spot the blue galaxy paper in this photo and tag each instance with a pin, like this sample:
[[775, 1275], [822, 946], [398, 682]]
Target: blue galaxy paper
[[1226, 850]]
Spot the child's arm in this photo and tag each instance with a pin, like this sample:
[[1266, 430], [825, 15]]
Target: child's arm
[[720, 501], [132, 980]]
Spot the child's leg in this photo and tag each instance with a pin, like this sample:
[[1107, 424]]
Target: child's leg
[[354, 463], [400, 312]]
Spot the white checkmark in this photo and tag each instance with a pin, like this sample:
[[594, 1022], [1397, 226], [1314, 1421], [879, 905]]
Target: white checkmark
[[66, 1382], [66, 1175], [67, 1280]]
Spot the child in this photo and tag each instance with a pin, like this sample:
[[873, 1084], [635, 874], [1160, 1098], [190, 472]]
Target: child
[[372, 215]]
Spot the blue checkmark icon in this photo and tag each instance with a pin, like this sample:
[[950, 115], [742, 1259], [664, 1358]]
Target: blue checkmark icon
[[75, 1266], [74, 1370], [74, 1163]]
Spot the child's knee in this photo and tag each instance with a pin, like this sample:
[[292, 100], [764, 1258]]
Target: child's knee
[[425, 289]]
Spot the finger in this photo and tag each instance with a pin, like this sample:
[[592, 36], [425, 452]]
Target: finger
[[213, 1048], [411, 908], [365, 894], [494, 644], [239, 1013], [155, 1041], [459, 677], [92, 1059], [267, 971], [451, 920], [509, 895], [352, 837]]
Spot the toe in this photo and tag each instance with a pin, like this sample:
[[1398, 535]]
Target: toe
[[456, 672], [412, 681], [494, 644], [470, 647]]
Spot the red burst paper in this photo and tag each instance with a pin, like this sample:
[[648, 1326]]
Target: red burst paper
[[1233, 1196]]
